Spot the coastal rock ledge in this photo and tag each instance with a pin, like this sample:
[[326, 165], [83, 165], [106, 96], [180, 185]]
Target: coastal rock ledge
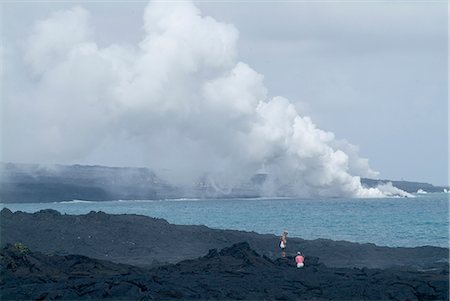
[[145, 241], [235, 272]]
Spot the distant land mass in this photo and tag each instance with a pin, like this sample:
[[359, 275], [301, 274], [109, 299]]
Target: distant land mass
[[29, 183], [411, 187]]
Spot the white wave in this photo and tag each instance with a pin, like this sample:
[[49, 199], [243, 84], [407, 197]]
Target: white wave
[[74, 202]]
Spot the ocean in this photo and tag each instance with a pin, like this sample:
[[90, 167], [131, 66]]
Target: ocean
[[394, 222]]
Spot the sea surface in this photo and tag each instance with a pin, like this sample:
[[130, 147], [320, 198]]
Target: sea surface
[[410, 222]]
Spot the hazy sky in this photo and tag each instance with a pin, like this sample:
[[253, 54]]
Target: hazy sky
[[373, 73]]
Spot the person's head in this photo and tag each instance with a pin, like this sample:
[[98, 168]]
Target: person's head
[[299, 253], [285, 232]]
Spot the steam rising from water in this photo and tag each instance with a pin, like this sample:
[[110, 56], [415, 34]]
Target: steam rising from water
[[179, 102]]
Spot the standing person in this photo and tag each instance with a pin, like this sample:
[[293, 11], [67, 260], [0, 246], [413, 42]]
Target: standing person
[[299, 259], [283, 243]]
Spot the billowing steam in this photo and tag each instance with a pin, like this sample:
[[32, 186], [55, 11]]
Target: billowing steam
[[180, 103]]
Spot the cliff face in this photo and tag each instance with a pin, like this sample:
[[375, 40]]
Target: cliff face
[[35, 183], [411, 187], [235, 272]]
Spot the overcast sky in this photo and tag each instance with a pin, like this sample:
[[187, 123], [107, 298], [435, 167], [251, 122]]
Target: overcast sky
[[373, 73]]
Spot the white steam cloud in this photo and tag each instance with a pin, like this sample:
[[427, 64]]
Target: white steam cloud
[[179, 102]]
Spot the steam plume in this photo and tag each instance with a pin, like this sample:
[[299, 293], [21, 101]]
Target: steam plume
[[179, 102]]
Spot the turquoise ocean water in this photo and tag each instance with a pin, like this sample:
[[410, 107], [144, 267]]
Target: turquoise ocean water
[[419, 221]]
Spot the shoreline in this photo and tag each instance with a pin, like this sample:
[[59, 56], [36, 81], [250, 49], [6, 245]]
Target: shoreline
[[142, 240], [385, 225], [224, 197], [124, 256]]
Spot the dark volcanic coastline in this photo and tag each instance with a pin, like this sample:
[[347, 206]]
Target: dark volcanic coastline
[[29, 183], [137, 257], [234, 273]]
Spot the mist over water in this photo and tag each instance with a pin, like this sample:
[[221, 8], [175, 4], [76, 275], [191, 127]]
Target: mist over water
[[179, 102]]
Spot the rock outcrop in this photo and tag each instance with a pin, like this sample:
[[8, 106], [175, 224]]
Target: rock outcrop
[[144, 241], [236, 272]]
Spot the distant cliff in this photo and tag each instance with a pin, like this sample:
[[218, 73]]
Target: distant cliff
[[29, 183], [34, 183], [411, 187], [37, 183]]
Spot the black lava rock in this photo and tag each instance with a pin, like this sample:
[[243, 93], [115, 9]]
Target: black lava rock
[[236, 272]]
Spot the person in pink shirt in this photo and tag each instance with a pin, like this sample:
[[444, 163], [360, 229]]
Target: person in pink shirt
[[299, 259]]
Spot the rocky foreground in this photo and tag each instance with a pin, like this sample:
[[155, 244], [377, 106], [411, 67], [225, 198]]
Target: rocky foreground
[[141, 258], [237, 272], [145, 241]]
